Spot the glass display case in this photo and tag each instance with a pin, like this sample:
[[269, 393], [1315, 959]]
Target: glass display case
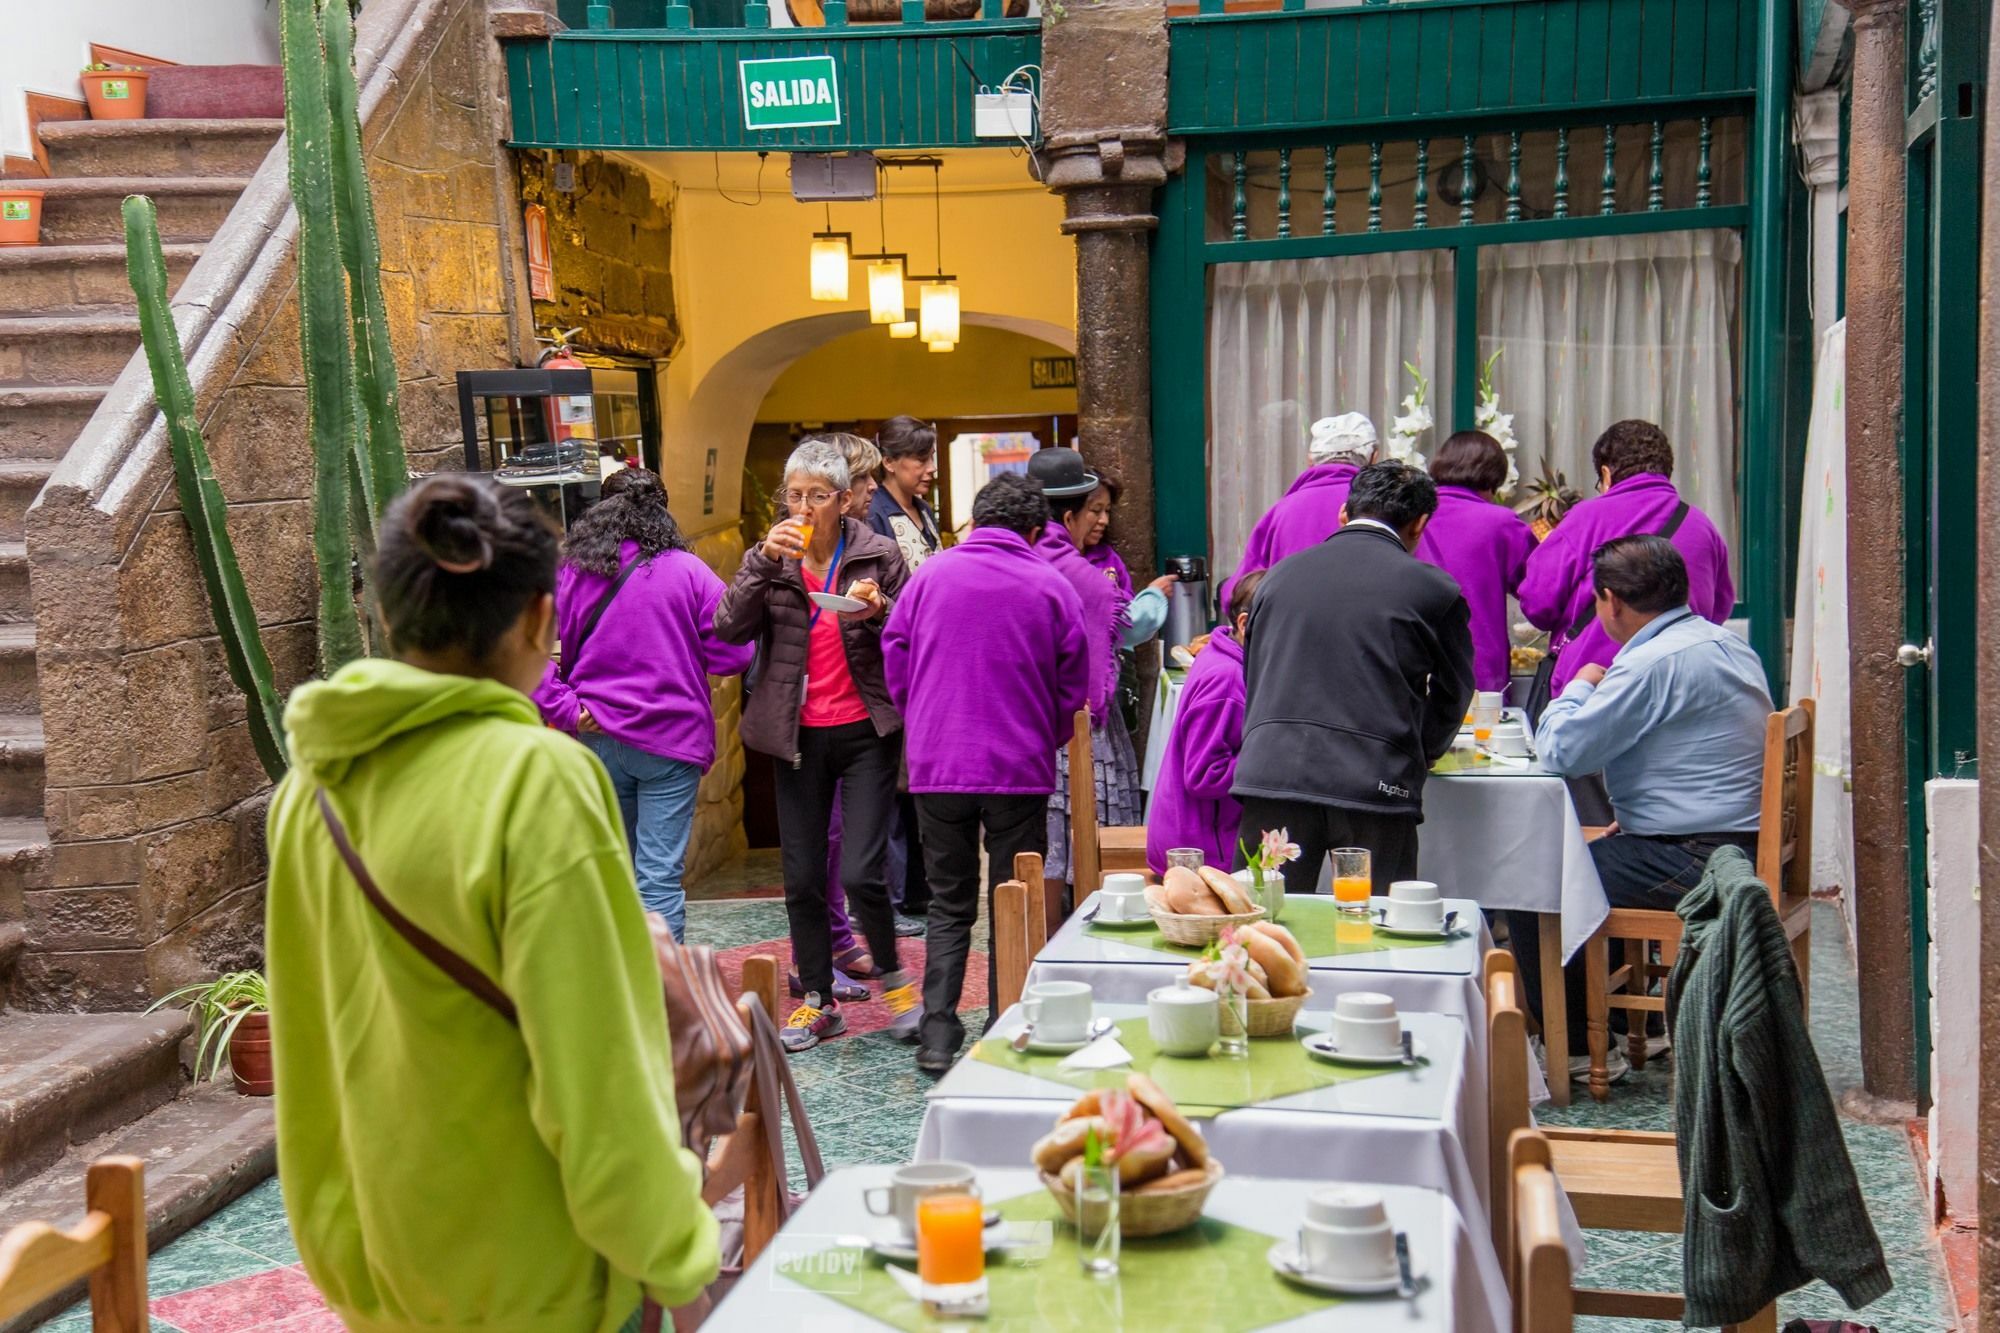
[[558, 432]]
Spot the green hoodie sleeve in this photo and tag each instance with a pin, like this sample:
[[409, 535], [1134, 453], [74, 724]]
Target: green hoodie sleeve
[[578, 962]]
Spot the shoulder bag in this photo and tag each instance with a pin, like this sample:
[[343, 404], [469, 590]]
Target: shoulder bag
[[572, 653]]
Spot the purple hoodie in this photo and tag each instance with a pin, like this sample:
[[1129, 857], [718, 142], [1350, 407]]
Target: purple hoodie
[[1103, 612], [1485, 546], [1306, 515], [644, 669], [1192, 806], [984, 656], [1108, 562], [1557, 587]]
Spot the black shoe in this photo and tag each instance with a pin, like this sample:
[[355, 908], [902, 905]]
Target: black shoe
[[935, 1059], [909, 927]]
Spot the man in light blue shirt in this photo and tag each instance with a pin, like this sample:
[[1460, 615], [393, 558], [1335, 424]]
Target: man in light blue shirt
[[1675, 724]]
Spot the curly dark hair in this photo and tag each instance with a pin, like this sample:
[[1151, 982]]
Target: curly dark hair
[[1632, 448], [632, 508]]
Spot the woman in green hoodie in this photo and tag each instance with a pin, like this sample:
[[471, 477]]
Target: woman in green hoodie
[[446, 1169]]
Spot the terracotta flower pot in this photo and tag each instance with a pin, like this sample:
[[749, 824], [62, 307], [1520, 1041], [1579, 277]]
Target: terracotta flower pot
[[250, 1056], [115, 94], [20, 217]]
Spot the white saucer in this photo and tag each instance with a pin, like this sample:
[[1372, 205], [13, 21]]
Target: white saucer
[[1416, 932], [1284, 1257], [1145, 918], [833, 601], [891, 1245], [1320, 1044], [1036, 1046]]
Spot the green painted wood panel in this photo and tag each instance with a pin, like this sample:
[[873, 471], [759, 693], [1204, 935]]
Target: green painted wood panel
[[1231, 73]]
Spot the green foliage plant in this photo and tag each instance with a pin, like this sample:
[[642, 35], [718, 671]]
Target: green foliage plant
[[219, 1008]]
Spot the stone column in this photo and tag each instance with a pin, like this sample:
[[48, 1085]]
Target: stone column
[[1875, 573], [1988, 556], [1104, 119]]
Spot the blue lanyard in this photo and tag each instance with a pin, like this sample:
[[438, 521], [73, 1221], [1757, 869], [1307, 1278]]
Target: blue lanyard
[[832, 577]]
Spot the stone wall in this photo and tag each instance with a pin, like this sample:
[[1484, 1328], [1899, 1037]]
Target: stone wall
[[611, 252], [718, 815], [155, 799]]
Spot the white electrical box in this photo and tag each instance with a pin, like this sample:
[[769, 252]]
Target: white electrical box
[[1007, 114]]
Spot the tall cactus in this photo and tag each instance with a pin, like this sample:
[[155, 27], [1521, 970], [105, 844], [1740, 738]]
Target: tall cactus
[[200, 496]]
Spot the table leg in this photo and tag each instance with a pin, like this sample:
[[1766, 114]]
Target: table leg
[[1596, 970], [1555, 1007]]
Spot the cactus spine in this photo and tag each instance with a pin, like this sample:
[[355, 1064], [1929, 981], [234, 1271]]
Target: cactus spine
[[201, 498]]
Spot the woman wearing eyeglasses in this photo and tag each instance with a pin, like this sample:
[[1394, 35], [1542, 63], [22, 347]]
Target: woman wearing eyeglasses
[[820, 706]]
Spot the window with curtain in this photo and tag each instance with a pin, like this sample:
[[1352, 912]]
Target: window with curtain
[[1293, 340]]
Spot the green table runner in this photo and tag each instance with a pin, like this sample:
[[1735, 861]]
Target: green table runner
[[1320, 927], [1212, 1276], [1277, 1067]]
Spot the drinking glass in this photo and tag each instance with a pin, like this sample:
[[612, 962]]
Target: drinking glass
[[951, 1242], [1485, 715], [1097, 1220], [1188, 858], [1353, 879], [1234, 1041]]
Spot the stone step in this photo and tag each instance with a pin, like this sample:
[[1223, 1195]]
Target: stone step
[[24, 850], [65, 349], [16, 607], [158, 147], [202, 1150], [72, 279], [43, 420], [18, 693], [68, 1078], [21, 480], [87, 210], [21, 767]]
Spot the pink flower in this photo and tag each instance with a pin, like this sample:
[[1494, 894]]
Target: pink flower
[[1128, 1126], [1277, 848], [1232, 962]]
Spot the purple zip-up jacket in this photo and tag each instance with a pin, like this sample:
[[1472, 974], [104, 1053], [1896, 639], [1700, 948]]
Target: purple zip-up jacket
[[644, 670], [984, 656], [1107, 561], [1557, 587], [1103, 613], [1192, 806], [1485, 546], [1306, 515]]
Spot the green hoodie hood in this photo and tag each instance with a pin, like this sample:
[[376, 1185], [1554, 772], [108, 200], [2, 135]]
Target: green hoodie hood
[[331, 723]]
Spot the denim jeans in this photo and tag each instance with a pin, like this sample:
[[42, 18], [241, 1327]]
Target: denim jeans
[[656, 799]]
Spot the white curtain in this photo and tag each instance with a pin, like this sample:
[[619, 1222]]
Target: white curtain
[[1596, 330], [1293, 340]]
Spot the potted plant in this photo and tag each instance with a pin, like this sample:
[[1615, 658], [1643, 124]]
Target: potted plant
[[20, 216], [115, 92], [232, 1017]]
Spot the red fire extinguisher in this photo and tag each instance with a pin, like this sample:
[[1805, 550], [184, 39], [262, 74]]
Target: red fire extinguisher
[[569, 416]]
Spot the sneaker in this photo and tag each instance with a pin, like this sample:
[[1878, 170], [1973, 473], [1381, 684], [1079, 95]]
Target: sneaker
[[811, 1023], [1616, 1067], [935, 1059], [905, 1006], [909, 927], [844, 987]]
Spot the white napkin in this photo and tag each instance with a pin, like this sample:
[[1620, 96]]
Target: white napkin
[[1107, 1052]]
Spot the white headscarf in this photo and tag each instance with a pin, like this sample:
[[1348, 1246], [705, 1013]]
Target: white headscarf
[[1347, 437]]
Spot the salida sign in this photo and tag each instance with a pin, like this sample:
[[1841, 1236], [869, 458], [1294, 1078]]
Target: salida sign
[[796, 92]]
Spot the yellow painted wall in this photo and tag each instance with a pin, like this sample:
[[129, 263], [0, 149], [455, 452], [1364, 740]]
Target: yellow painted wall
[[867, 375]]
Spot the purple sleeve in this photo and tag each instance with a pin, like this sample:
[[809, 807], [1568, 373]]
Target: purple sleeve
[[1072, 659], [1514, 553], [1210, 727], [1725, 587], [557, 701], [1550, 581], [719, 656], [896, 646]]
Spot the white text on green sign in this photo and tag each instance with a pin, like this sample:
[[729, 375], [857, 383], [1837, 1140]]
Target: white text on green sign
[[796, 92]]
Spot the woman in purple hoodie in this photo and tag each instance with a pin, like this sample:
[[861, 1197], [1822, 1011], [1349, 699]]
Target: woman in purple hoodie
[[1309, 511], [1192, 806], [1482, 544], [634, 607]]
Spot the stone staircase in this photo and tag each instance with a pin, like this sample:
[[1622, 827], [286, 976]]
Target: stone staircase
[[76, 1086]]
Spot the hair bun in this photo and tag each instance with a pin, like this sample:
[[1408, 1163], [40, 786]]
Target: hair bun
[[449, 520]]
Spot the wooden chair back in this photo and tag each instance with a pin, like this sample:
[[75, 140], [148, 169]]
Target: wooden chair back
[[1506, 1082], [38, 1261], [1537, 1260], [1028, 868], [1086, 869], [1784, 839], [1011, 953], [742, 1158]]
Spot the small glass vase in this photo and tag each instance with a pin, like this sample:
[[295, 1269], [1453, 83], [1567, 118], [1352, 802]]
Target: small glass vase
[[1270, 895], [1097, 1225], [1234, 1042]]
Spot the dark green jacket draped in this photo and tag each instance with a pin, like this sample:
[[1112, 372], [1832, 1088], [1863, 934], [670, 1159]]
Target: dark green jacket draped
[[1771, 1197]]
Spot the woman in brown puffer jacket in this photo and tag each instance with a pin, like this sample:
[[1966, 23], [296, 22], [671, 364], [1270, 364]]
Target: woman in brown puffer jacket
[[821, 708]]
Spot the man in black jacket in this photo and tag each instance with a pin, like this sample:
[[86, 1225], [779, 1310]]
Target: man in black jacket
[[1359, 672]]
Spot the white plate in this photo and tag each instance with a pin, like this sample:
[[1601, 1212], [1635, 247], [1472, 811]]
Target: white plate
[[1416, 932], [1284, 1257], [1036, 1046], [891, 1245], [1321, 1044], [1101, 918], [833, 601]]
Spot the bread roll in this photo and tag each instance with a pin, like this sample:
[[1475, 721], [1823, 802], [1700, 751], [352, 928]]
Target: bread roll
[[1225, 887], [1283, 974], [1193, 1149], [1086, 1105], [1187, 895], [1282, 936], [1135, 1168], [1185, 1178], [1065, 1141]]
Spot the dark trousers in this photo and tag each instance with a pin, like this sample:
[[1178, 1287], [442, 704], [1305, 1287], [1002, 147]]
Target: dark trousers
[[951, 823], [906, 859], [1390, 839], [863, 765], [1638, 871]]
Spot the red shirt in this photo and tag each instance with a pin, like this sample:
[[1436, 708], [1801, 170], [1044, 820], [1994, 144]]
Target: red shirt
[[831, 699]]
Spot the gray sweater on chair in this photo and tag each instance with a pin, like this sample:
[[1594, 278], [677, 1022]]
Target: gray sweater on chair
[[1771, 1197]]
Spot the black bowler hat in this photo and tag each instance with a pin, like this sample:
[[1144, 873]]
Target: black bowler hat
[[1062, 473]]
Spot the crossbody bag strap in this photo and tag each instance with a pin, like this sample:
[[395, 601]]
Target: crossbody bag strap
[[572, 653], [1589, 613], [453, 966]]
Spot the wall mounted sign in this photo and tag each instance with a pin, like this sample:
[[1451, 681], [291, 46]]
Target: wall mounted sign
[[1052, 372], [708, 486], [541, 266], [792, 93]]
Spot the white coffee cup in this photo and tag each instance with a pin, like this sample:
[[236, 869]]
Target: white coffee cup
[[1365, 1023], [1058, 1010], [1414, 904], [1123, 897], [1510, 739], [917, 1180], [1183, 1019], [1347, 1235]]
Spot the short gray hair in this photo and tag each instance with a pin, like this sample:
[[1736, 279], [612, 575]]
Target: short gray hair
[[821, 460]]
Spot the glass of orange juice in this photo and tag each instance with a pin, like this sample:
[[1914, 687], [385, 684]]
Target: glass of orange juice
[[1485, 715], [951, 1247], [1353, 879]]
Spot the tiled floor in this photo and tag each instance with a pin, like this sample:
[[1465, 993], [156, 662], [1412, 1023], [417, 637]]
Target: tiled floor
[[238, 1271]]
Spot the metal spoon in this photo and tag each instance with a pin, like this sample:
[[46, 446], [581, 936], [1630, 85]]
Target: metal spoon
[[1409, 1054], [1098, 1028], [1406, 1286]]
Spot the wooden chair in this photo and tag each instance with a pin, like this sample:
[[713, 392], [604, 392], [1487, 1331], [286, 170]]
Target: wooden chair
[[38, 1262], [1011, 953], [1095, 850], [1616, 1179], [1537, 1264], [742, 1158], [1784, 863], [1028, 869]]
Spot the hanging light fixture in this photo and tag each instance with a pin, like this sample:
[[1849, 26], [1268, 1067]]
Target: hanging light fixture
[[937, 299], [942, 346], [829, 256], [903, 328], [885, 271]]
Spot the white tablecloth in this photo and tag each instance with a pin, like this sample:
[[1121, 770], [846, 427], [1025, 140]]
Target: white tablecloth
[[1464, 1294]]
